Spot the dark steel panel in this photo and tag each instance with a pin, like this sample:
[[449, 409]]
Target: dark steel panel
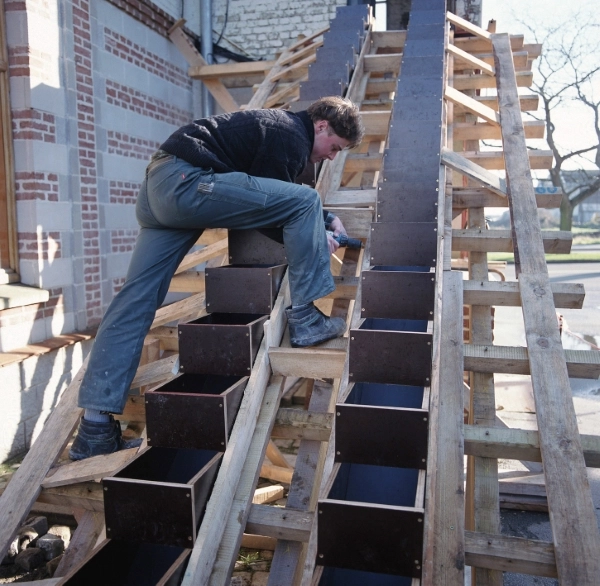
[[313, 90], [398, 294], [254, 247], [425, 87], [422, 16], [368, 538], [416, 135], [404, 244], [427, 5], [342, 37], [415, 108], [425, 32], [194, 411], [121, 563], [160, 496], [404, 205], [422, 66], [424, 48], [402, 358], [413, 176], [388, 437], [224, 343], [344, 54], [328, 70], [417, 158], [242, 288]]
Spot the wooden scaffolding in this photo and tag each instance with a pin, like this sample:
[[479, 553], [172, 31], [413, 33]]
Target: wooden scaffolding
[[458, 515]]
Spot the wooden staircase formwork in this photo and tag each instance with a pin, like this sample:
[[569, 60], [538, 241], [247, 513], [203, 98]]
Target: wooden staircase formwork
[[474, 59]]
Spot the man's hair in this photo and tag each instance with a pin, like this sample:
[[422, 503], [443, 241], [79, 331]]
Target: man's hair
[[341, 114]]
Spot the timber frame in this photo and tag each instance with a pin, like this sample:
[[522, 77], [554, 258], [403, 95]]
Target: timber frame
[[458, 530]]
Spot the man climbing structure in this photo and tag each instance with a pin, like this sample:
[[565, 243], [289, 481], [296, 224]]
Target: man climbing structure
[[232, 171]]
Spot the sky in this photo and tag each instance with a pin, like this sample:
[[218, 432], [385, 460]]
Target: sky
[[573, 123]]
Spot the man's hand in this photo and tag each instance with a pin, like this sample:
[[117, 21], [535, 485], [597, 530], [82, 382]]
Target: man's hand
[[337, 227], [332, 243]]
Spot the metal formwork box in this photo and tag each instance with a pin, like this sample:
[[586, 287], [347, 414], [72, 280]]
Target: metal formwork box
[[244, 288], [256, 247], [397, 293], [390, 351], [123, 563], [224, 343], [393, 427], [194, 411], [404, 243], [368, 521], [160, 496]]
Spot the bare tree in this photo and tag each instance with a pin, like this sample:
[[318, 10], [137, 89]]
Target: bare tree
[[568, 79]]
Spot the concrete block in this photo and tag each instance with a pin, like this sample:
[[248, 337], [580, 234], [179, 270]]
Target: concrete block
[[20, 93], [38, 523], [19, 335], [30, 559], [118, 216], [48, 98], [51, 545], [63, 532], [12, 439], [117, 265], [50, 157], [57, 273]]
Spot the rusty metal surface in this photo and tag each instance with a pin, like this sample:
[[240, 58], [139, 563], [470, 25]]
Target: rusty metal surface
[[398, 294], [122, 563], [390, 357], [402, 244], [369, 538], [254, 247], [243, 288], [224, 343], [389, 437], [160, 496], [194, 411]]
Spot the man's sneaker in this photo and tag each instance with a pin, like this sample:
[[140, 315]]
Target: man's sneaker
[[309, 326], [94, 439]]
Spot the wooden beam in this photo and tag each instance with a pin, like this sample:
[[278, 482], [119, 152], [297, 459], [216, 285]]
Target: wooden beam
[[554, 241], [188, 282], [506, 293], [487, 131], [515, 360], [376, 122], [476, 45], [444, 547], [567, 485], [474, 81], [472, 197], [494, 160], [352, 198], [280, 523], [510, 554], [519, 444], [388, 39], [468, 26], [473, 106], [469, 60], [307, 362], [527, 103], [466, 167], [200, 256], [224, 70], [301, 424], [385, 63]]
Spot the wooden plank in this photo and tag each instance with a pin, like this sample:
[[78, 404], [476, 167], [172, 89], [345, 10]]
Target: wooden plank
[[25, 486], [280, 523], [193, 57], [376, 122], [506, 293], [477, 45], [308, 362], [487, 131], [219, 507], [473, 106], [200, 256], [510, 554], [444, 508], [515, 360], [188, 282], [461, 164], [385, 39], [190, 306], [224, 70], [538, 159], [527, 103], [94, 468], [569, 495], [161, 370], [468, 26], [85, 495], [300, 424], [473, 81], [357, 221], [276, 473], [472, 197], [471, 61], [554, 241], [82, 542], [519, 444], [352, 197], [384, 63], [276, 456], [267, 494]]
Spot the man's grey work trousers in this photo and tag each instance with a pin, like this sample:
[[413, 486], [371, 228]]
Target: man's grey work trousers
[[175, 204]]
